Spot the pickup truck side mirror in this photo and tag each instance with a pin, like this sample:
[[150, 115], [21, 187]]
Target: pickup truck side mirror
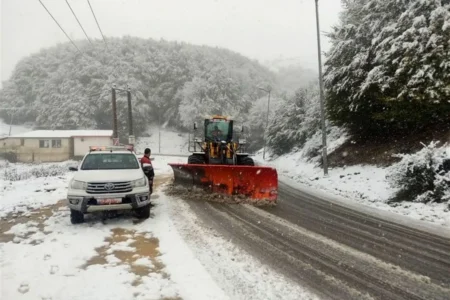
[[73, 169]]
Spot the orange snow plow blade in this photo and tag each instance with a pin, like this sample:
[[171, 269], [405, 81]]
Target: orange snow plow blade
[[257, 183]]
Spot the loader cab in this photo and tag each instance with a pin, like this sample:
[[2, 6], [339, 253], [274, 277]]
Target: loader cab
[[218, 129]]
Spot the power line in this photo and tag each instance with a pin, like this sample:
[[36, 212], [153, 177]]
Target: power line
[[61, 27], [78, 22], [98, 25], [103, 37]]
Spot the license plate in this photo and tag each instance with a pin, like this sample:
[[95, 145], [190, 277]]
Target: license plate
[[109, 201]]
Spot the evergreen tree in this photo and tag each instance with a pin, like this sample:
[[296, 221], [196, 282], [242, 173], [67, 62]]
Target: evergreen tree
[[388, 67]]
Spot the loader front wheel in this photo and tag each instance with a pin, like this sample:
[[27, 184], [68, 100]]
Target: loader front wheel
[[196, 160], [246, 161]]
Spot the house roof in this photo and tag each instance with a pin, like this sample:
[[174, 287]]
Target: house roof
[[64, 134]]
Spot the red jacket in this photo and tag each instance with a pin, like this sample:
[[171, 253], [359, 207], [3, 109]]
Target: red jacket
[[146, 160]]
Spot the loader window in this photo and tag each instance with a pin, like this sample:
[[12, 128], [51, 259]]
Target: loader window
[[217, 131]]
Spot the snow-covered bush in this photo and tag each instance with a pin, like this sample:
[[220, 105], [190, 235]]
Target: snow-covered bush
[[423, 176], [11, 174], [14, 172], [49, 171]]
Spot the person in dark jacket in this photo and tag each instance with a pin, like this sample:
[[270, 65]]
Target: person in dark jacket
[[150, 173], [217, 134]]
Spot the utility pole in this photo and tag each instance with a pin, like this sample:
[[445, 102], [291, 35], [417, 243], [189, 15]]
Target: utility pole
[[131, 137], [130, 114], [159, 131], [267, 119], [114, 110], [322, 100], [11, 122]]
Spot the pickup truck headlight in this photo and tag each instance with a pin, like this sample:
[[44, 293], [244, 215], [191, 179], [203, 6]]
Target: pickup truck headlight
[[78, 185], [140, 182]]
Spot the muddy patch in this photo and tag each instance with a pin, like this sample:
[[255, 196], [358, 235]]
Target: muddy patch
[[135, 250], [33, 217]]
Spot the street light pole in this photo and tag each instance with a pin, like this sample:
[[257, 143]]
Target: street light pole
[[267, 119], [322, 109]]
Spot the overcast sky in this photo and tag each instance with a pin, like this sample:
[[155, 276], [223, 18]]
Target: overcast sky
[[260, 29]]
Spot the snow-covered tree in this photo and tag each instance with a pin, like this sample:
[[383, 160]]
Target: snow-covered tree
[[296, 120], [219, 93], [56, 88], [256, 120], [389, 65]]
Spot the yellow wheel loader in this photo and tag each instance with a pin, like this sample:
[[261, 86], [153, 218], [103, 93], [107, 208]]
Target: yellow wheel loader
[[219, 163]]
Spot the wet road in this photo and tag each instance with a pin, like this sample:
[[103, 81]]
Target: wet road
[[337, 252]]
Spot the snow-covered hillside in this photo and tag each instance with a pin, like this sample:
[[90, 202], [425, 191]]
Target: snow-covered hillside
[[15, 129], [166, 141]]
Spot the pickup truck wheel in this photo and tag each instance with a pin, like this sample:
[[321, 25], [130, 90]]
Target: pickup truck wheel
[[76, 217], [143, 212]]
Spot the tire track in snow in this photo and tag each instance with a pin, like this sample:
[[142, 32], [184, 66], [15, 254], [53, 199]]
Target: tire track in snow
[[334, 271]]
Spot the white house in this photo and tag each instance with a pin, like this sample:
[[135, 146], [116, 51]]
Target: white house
[[53, 145]]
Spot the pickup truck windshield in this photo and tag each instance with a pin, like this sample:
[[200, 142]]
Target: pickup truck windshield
[[110, 161]]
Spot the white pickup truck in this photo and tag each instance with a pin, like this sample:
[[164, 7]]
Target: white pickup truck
[[108, 179]]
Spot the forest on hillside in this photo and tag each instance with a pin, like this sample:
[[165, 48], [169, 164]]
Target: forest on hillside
[[387, 74], [172, 83]]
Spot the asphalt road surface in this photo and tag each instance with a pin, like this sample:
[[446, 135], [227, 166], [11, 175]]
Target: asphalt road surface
[[337, 252]]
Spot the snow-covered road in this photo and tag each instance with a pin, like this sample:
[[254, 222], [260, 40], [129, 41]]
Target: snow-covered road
[[306, 248], [172, 255]]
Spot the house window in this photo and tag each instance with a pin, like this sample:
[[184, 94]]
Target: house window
[[44, 143], [56, 143]]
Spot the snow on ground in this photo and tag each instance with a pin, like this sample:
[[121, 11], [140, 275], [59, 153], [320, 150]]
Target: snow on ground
[[26, 186], [169, 256], [172, 142], [47, 257], [363, 184], [90, 261]]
